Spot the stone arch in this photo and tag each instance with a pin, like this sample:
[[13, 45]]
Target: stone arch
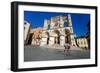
[[67, 31], [56, 32], [56, 36], [45, 34], [36, 36], [44, 38]]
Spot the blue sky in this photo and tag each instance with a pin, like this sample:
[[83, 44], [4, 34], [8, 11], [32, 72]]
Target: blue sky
[[79, 21]]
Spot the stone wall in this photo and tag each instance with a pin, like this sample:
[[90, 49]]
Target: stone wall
[[27, 28], [82, 42]]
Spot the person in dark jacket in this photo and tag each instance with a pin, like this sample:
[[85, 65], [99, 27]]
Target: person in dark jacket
[[67, 49]]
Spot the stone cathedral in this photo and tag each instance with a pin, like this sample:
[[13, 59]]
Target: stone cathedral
[[58, 30]]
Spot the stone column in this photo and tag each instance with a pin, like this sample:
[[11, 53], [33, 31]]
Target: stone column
[[69, 20], [56, 40], [51, 40], [45, 24], [62, 40], [73, 43], [61, 21]]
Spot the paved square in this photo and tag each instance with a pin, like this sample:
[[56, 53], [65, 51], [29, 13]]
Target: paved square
[[36, 53]]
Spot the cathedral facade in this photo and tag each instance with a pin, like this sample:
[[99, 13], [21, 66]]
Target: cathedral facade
[[56, 31]]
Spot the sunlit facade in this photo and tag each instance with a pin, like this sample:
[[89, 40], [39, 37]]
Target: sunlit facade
[[56, 31]]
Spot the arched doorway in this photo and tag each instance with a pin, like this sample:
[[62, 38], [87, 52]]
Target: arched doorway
[[67, 37], [36, 37], [45, 38], [56, 37]]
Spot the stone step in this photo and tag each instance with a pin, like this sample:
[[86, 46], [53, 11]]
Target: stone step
[[56, 46]]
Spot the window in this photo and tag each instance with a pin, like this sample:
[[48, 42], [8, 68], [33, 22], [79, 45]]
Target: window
[[25, 23], [48, 26], [65, 24]]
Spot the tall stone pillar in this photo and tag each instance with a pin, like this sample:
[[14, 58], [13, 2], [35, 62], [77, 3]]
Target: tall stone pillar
[[27, 27], [73, 43], [45, 24], [51, 41], [61, 21], [72, 36], [69, 20], [62, 40]]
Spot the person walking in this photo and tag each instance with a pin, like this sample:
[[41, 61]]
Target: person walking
[[67, 49]]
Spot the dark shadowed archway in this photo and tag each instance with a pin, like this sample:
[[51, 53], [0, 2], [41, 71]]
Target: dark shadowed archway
[[67, 38]]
